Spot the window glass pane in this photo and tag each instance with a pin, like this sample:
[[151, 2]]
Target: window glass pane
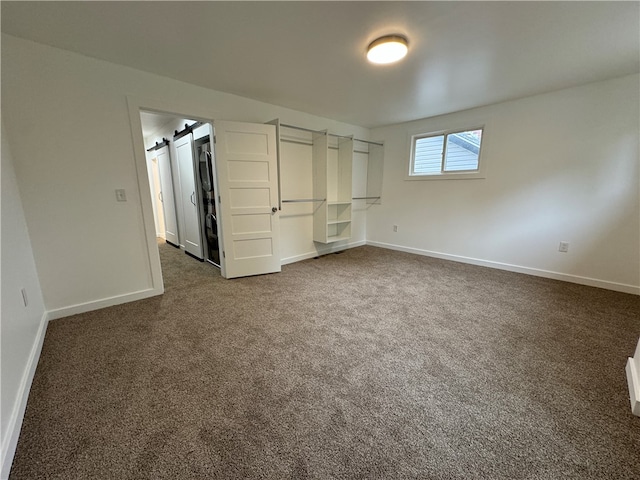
[[463, 150], [427, 157]]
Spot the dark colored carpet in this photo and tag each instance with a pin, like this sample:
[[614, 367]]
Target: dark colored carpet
[[369, 364]]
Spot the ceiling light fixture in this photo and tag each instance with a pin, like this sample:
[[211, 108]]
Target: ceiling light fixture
[[388, 49]]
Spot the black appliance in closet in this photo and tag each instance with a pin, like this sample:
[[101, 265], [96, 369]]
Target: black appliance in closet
[[205, 162]]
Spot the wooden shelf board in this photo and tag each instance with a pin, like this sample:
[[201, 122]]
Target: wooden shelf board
[[337, 238]]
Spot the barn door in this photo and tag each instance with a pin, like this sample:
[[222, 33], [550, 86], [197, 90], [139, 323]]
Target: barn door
[[167, 198], [191, 213], [246, 162]]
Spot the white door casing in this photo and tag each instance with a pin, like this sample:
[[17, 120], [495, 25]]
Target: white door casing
[[189, 196], [246, 162], [167, 197]]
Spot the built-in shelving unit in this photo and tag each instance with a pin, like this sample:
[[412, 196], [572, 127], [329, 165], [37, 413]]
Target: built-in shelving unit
[[332, 180]]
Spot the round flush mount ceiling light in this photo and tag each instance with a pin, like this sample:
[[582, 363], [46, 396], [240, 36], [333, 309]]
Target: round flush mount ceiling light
[[388, 49]]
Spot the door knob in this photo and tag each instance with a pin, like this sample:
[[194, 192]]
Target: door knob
[[274, 209]]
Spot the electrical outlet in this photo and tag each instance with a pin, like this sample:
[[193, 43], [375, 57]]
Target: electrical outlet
[[564, 247], [25, 300], [395, 228], [121, 195]]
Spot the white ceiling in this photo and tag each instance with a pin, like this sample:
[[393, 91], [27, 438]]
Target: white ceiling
[[310, 56], [152, 122]]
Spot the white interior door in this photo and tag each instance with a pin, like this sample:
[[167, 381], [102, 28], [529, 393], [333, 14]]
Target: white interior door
[[246, 161], [167, 197], [189, 197], [155, 189]]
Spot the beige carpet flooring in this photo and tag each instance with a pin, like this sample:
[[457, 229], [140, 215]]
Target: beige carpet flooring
[[369, 364]]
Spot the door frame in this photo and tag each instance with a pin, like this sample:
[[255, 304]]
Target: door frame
[[136, 104]]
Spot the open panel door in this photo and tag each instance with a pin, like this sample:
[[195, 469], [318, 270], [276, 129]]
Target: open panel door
[[246, 161]]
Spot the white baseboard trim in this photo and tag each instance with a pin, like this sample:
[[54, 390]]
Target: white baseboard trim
[[330, 248], [19, 408], [592, 282], [633, 379], [103, 303]]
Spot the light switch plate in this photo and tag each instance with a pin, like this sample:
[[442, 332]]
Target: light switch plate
[[121, 195]]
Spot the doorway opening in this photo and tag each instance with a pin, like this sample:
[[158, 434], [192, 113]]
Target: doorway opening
[[238, 171], [182, 179]]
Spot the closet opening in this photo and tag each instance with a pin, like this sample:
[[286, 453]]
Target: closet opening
[[183, 183], [224, 187]]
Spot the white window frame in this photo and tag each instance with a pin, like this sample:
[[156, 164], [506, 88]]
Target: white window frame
[[459, 175]]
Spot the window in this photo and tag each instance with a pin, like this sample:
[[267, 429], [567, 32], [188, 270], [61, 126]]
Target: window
[[446, 155]]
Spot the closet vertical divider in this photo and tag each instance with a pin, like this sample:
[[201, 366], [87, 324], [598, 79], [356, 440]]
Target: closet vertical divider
[[332, 180]]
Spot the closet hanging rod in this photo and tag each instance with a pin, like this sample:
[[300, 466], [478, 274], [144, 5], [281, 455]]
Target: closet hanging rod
[[369, 142], [300, 128], [297, 142], [309, 144], [305, 200], [159, 145], [332, 134], [365, 198]]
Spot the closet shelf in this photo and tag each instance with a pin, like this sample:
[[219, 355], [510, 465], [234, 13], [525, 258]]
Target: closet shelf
[[337, 238]]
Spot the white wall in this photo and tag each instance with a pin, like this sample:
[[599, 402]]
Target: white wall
[[22, 327], [562, 166], [73, 147]]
